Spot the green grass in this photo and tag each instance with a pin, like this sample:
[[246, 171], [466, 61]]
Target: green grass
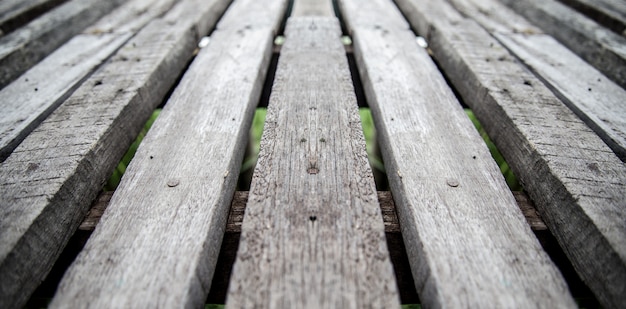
[[511, 180], [369, 130], [256, 131], [115, 178]]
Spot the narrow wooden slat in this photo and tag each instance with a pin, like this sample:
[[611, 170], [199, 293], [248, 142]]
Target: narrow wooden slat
[[15, 13], [31, 98], [159, 239], [610, 13], [313, 235], [52, 177], [21, 49], [598, 101], [575, 180], [599, 46], [467, 241], [313, 8], [593, 97]]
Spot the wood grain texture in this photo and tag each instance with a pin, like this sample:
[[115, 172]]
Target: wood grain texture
[[495, 16], [240, 199], [158, 241], [599, 102], [23, 48], [313, 234], [31, 98], [610, 13], [51, 178], [599, 46], [15, 13], [312, 8], [575, 180], [468, 243]]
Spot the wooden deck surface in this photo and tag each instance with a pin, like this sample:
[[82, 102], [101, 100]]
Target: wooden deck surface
[[79, 78]]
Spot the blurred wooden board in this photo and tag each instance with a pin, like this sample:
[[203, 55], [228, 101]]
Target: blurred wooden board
[[54, 174]]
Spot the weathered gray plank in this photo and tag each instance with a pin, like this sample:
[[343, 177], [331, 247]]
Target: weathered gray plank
[[468, 243], [598, 101], [599, 46], [495, 16], [575, 180], [592, 96], [313, 235], [22, 48], [49, 181], [159, 239], [15, 13], [313, 8], [31, 98], [610, 13]]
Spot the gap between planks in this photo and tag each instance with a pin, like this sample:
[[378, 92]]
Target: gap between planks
[[240, 199]]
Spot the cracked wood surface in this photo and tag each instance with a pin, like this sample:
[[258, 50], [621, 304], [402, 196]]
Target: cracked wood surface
[[23, 48], [56, 172], [28, 100], [158, 241], [467, 241], [577, 183], [313, 234]]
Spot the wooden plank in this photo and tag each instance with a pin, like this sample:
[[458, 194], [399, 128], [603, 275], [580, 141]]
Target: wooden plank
[[598, 101], [163, 228], [468, 243], [22, 48], [15, 13], [494, 16], [313, 235], [593, 97], [575, 180], [31, 98], [313, 8], [609, 13], [599, 46], [51, 178]]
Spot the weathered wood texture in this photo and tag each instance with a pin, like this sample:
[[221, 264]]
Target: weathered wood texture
[[610, 13], [575, 180], [33, 96], [15, 13], [467, 241], [313, 235], [23, 48], [51, 178], [164, 226], [312, 8], [240, 199], [597, 100], [599, 46]]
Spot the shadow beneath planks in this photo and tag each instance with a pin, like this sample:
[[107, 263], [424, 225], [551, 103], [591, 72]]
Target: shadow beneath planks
[[219, 286]]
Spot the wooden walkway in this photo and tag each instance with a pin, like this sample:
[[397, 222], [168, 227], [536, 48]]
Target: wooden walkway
[[79, 78]]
